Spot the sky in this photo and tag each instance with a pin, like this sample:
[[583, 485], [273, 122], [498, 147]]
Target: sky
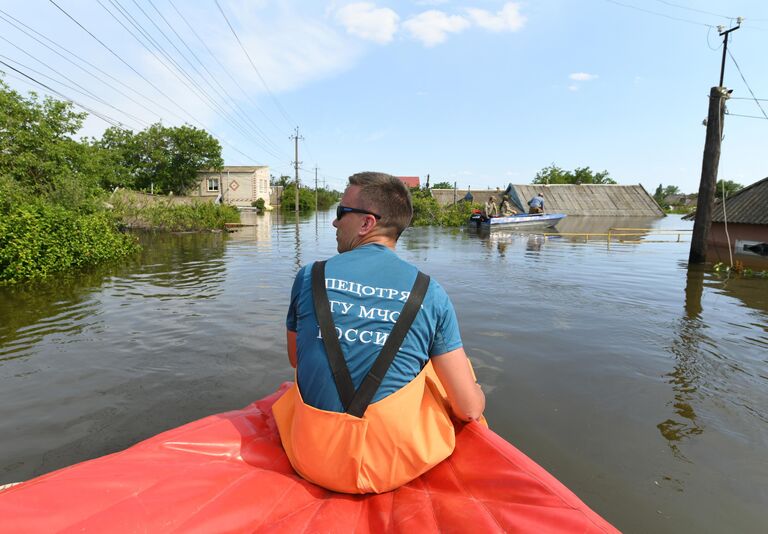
[[477, 93]]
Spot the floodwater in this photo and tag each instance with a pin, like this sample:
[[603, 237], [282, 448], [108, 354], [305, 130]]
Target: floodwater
[[640, 383]]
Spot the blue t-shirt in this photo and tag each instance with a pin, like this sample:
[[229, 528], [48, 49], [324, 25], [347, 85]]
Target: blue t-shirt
[[536, 202], [367, 287]]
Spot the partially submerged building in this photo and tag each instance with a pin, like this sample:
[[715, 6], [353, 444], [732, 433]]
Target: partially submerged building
[[235, 184], [745, 216], [597, 200]]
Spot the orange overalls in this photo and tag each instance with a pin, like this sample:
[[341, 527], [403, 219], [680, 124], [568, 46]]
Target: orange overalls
[[372, 448]]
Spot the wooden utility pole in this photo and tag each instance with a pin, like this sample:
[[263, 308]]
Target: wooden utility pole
[[315, 188], [296, 164], [710, 162]]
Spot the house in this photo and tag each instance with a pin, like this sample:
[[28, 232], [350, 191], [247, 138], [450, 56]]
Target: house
[[746, 215], [595, 200], [235, 185], [680, 200], [410, 181]]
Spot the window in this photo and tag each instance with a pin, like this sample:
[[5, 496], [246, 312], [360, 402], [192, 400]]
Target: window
[[213, 184]]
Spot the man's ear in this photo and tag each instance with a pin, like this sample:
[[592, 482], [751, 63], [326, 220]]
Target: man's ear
[[368, 225]]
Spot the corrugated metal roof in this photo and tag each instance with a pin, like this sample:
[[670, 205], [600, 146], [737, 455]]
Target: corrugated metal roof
[[748, 206]]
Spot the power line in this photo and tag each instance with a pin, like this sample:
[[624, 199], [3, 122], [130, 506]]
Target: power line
[[223, 68], [79, 88], [16, 24], [747, 116], [696, 10], [256, 128], [748, 87], [109, 120], [212, 103], [156, 88], [142, 76], [659, 14], [263, 81], [197, 90]]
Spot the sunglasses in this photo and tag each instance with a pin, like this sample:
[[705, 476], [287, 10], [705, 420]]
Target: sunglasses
[[343, 210]]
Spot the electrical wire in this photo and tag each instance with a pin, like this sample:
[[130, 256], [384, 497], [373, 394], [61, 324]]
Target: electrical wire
[[78, 88], [194, 87], [694, 9], [140, 75], [659, 14], [106, 118], [263, 81], [16, 24], [222, 139], [748, 87], [215, 80], [745, 116]]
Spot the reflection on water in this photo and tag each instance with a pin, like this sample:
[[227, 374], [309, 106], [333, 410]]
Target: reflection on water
[[639, 382], [684, 377]]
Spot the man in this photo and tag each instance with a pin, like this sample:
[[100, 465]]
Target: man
[[536, 204], [331, 437], [490, 207], [506, 208]]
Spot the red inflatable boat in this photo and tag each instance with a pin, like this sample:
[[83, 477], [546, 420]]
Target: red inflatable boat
[[228, 473]]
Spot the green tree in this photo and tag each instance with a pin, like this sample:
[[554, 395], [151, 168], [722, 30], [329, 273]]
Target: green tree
[[661, 194], [38, 150], [166, 158], [284, 180], [730, 188], [442, 185], [580, 175]]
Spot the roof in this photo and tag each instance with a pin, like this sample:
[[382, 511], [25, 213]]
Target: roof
[[600, 200], [410, 181], [748, 206], [236, 168]]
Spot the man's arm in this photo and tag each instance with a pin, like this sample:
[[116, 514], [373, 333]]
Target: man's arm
[[465, 395], [290, 337]]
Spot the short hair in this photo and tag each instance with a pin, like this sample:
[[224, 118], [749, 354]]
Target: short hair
[[388, 196]]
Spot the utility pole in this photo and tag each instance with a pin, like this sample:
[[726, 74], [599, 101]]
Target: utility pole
[[315, 188], [296, 164], [711, 160]]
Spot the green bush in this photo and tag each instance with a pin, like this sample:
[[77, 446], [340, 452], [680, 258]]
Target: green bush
[[259, 204], [185, 218], [325, 198], [38, 239], [427, 212]]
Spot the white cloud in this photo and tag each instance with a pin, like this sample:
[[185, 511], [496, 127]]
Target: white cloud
[[573, 87], [365, 20], [432, 27], [507, 19], [582, 76], [284, 61]]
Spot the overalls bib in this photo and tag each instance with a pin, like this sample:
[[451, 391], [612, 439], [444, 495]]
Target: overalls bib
[[371, 448]]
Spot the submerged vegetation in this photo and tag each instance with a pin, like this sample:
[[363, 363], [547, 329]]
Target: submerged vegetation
[[55, 213], [739, 269], [176, 217], [427, 212]]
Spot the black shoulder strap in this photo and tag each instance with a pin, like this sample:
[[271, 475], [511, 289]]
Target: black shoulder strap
[[341, 376], [372, 381], [355, 403]]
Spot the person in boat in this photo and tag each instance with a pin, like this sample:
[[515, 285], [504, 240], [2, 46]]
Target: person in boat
[[381, 372], [491, 210], [506, 208], [536, 204]]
